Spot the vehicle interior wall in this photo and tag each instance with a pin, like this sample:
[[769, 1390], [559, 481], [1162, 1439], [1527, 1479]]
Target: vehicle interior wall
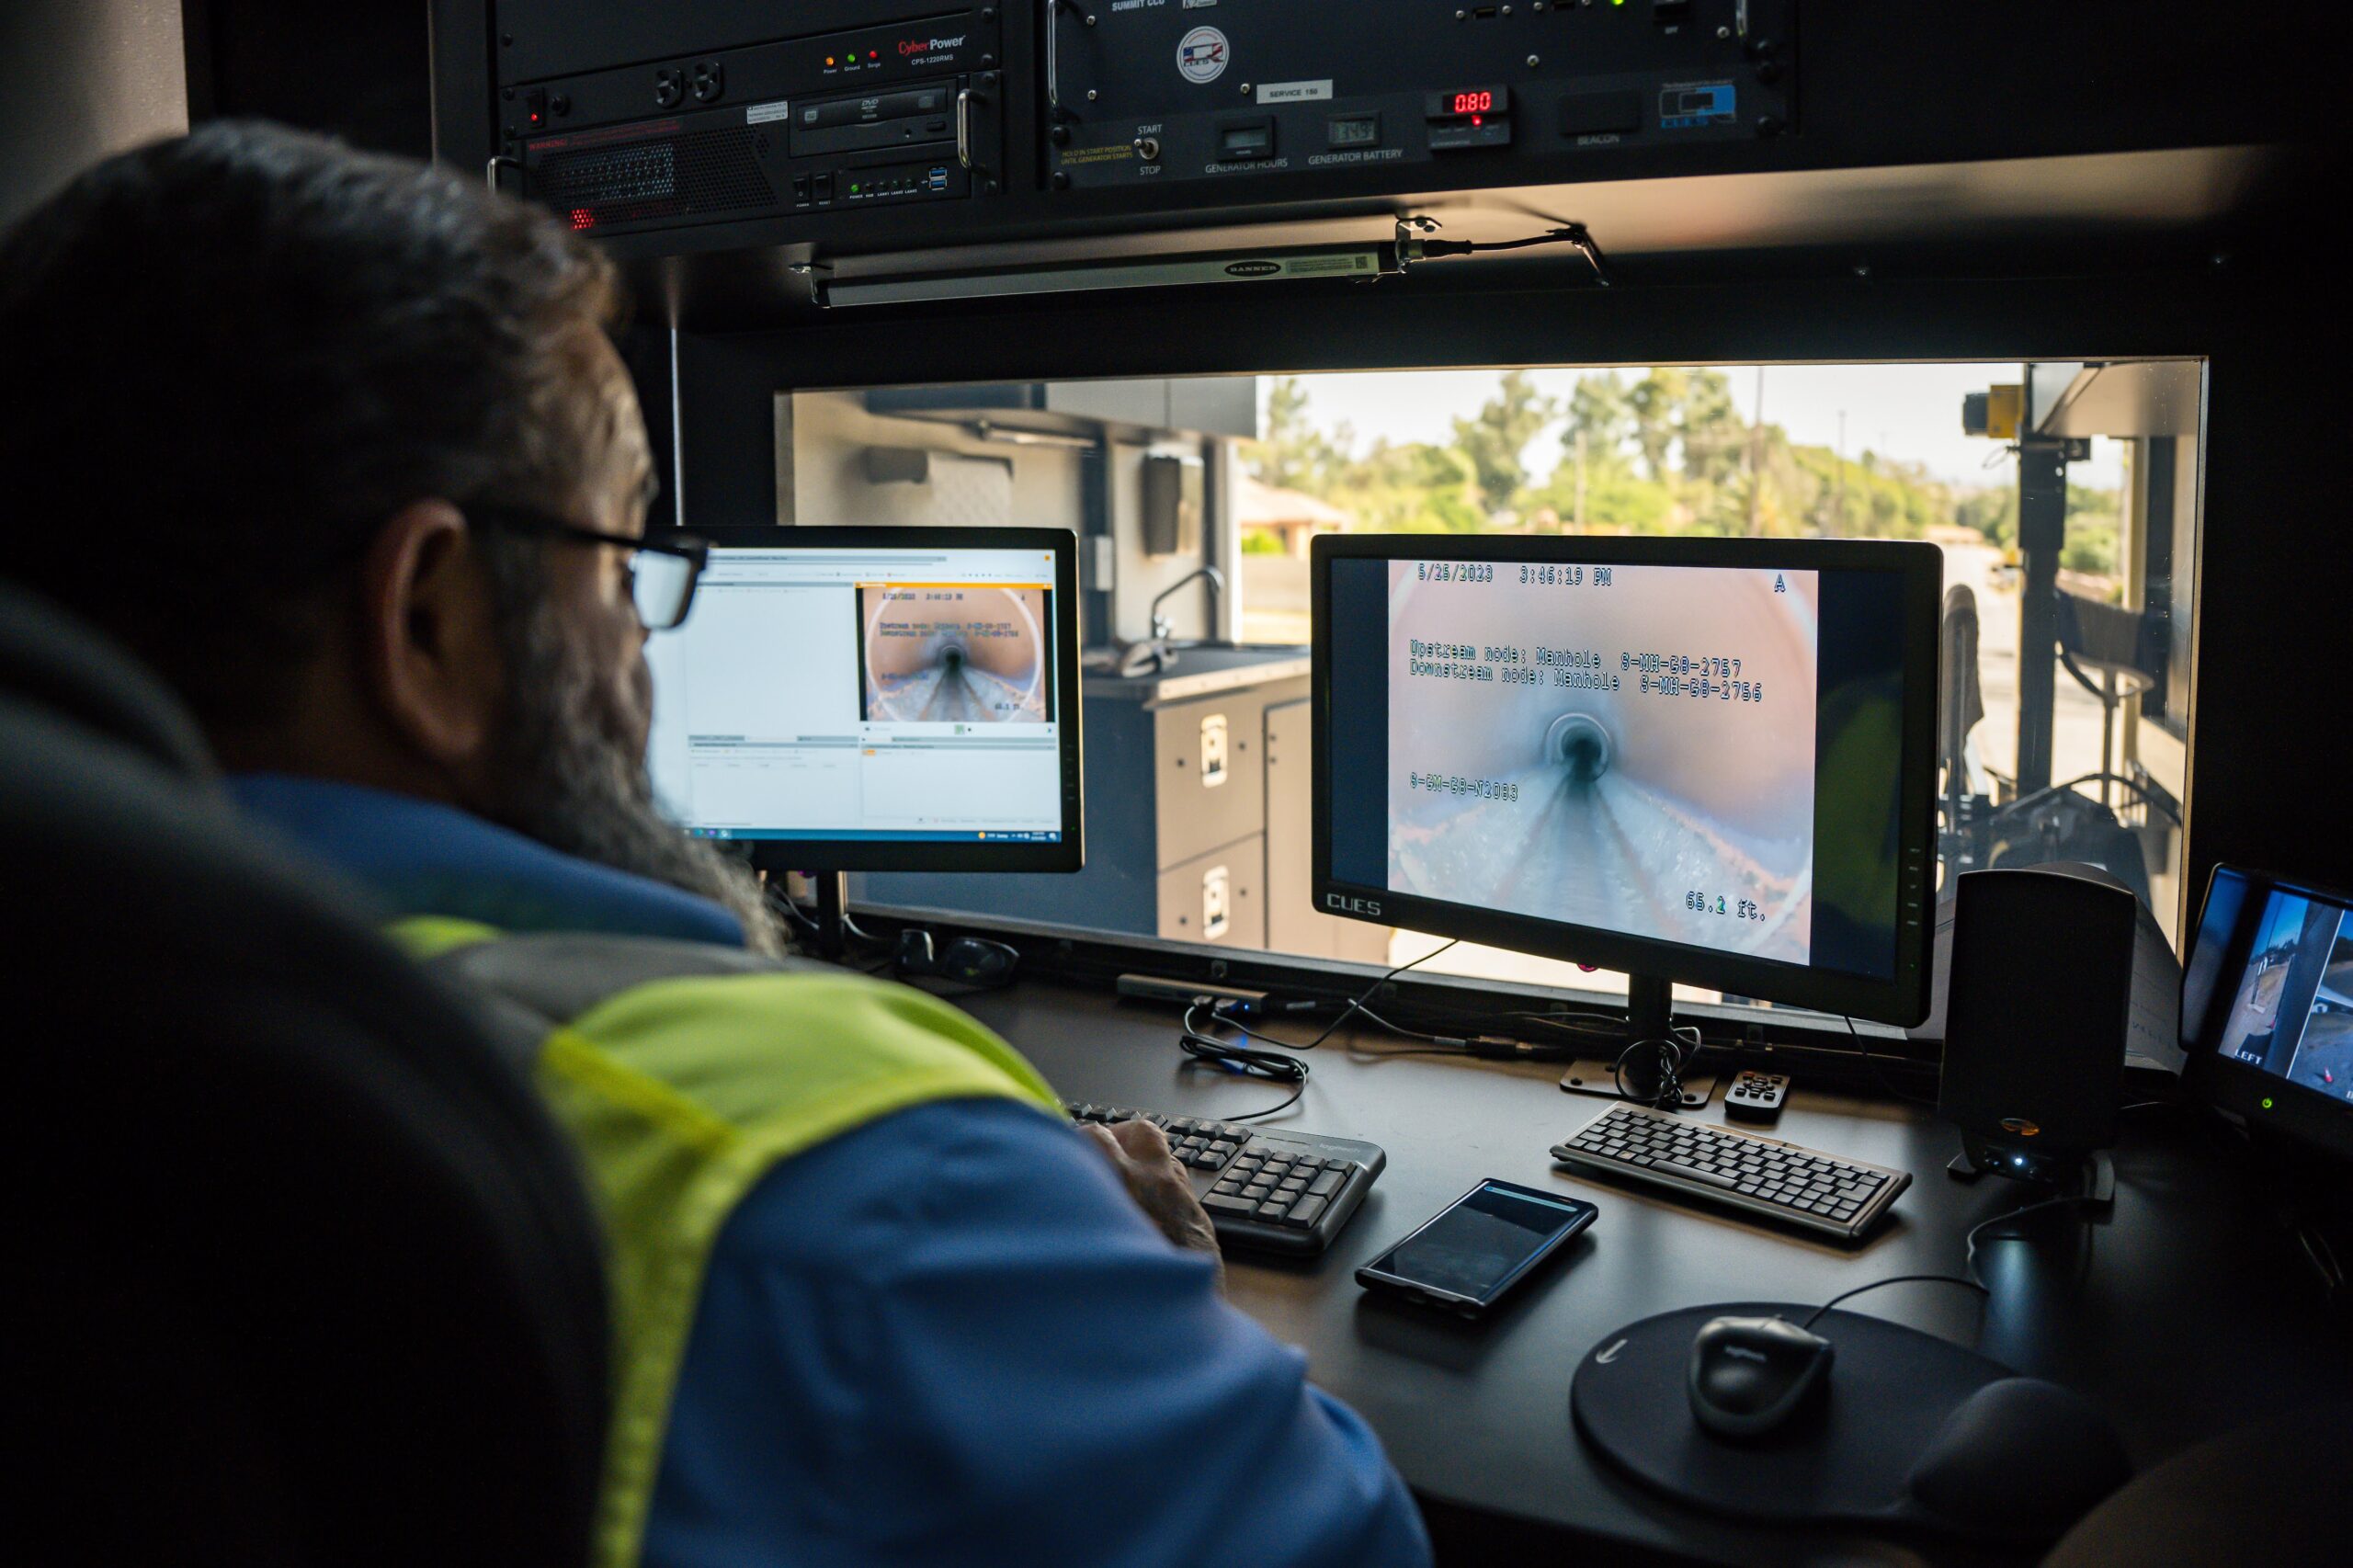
[[357, 69], [80, 79]]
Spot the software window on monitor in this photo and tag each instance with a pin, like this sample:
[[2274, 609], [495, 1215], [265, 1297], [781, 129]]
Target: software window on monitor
[[905, 694]]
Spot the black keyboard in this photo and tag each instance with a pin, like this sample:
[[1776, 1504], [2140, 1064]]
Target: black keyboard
[[1275, 1191], [1741, 1170]]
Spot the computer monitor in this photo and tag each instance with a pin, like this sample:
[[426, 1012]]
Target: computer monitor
[[1703, 760], [2267, 1006], [850, 699]]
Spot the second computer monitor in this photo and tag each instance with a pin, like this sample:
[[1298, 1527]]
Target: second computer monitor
[[876, 700], [1707, 761]]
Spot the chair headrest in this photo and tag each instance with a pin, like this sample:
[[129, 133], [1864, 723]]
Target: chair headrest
[[53, 661]]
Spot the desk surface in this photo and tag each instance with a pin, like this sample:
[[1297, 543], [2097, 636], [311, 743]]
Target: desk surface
[[2189, 1314]]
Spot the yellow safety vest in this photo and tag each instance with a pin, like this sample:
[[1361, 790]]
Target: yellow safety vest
[[685, 1072]]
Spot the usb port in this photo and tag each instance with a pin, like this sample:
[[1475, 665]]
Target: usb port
[[939, 179]]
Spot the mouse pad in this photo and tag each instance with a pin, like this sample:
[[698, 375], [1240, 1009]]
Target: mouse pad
[[1844, 1456]]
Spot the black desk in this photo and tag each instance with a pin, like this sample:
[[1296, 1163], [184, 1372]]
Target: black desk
[[2190, 1315]]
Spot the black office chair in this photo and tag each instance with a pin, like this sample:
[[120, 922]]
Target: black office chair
[[300, 1271], [2272, 1491]]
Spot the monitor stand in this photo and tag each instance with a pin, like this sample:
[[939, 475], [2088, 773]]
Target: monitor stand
[[833, 913], [1650, 1014]]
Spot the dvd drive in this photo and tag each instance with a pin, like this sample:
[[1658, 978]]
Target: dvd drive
[[880, 120]]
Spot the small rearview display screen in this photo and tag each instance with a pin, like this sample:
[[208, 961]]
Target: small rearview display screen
[[1474, 1248], [2292, 1007]]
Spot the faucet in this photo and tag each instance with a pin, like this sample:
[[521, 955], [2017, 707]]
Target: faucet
[[1161, 626]]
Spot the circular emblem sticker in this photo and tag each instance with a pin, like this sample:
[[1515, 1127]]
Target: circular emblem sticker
[[1200, 54]]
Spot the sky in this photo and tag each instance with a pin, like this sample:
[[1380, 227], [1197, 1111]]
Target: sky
[[1911, 413]]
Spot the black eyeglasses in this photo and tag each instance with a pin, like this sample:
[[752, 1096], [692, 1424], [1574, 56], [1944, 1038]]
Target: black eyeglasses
[[662, 573]]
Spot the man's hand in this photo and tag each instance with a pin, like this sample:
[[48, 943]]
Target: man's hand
[[1158, 1184]]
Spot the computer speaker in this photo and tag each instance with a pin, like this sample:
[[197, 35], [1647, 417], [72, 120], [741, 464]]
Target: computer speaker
[[2038, 1017]]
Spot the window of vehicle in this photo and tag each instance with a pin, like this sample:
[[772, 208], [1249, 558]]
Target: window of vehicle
[[2068, 521]]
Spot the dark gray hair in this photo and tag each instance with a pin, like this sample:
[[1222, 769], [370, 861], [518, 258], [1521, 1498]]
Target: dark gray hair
[[228, 359]]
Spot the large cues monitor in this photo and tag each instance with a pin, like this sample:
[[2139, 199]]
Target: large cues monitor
[[876, 700], [1707, 761]]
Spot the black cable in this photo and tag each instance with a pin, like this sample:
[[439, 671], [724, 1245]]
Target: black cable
[[861, 932], [1969, 1244], [1227, 1056], [1674, 1055], [1357, 1006], [1202, 1046], [1678, 1052], [781, 902], [1275, 1110], [1897, 1279], [1598, 1023], [1576, 234], [1486, 1047], [1884, 1081], [1397, 1028]]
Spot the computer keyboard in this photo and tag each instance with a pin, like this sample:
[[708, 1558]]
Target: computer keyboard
[[1275, 1191], [1763, 1175]]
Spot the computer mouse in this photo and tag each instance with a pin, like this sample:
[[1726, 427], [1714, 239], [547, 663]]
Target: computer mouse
[[2019, 1460], [1749, 1375]]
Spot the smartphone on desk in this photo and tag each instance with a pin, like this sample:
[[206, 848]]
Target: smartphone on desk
[[1481, 1246]]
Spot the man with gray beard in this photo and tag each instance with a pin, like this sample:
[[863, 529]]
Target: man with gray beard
[[341, 447]]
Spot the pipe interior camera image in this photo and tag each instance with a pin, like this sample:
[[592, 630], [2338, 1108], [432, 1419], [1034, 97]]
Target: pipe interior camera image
[[1629, 749], [972, 655]]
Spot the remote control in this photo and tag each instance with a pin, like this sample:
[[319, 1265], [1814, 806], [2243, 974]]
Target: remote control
[[1757, 1097]]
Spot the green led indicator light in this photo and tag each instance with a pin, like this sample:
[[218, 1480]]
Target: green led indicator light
[[2267, 1102]]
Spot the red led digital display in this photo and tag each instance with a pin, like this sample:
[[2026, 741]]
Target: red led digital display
[[1476, 105]]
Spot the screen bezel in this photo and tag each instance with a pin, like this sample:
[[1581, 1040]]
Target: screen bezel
[[2239, 1087], [1373, 1277], [921, 855], [1901, 998]]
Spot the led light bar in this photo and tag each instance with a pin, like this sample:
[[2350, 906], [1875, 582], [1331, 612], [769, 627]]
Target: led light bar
[[1361, 262]]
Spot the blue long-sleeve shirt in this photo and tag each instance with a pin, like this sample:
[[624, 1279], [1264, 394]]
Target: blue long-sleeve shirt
[[947, 1337]]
